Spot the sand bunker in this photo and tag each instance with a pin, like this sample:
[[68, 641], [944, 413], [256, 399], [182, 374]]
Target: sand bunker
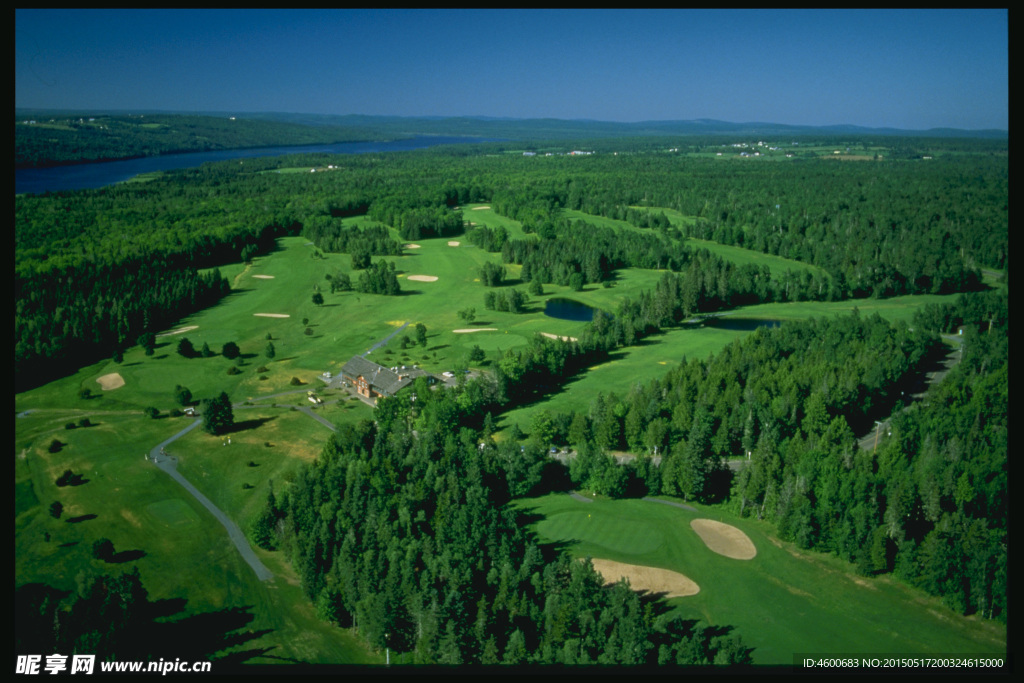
[[480, 208], [423, 278], [453, 244], [111, 381], [412, 246], [178, 331], [264, 277], [673, 584], [724, 539], [476, 329], [555, 336], [272, 315]]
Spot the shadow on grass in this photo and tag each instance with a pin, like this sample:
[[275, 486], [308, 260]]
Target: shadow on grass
[[249, 424], [80, 518], [127, 556]]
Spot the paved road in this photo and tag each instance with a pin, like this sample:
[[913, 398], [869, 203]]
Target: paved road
[[878, 433], [169, 464], [385, 340], [669, 502]]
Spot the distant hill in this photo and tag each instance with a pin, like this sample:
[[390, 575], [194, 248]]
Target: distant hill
[[65, 137]]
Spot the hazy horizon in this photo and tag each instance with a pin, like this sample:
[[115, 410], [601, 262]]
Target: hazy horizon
[[905, 69]]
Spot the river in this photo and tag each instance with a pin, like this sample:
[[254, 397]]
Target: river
[[101, 174]]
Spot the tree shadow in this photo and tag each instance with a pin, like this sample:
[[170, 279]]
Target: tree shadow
[[80, 518], [249, 424], [127, 556]]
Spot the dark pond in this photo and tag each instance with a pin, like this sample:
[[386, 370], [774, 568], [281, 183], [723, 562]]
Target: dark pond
[[90, 176], [567, 309], [728, 322]]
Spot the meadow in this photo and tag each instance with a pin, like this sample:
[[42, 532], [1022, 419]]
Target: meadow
[[813, 604]]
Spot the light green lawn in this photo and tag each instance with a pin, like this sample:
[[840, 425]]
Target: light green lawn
[[783, 601]]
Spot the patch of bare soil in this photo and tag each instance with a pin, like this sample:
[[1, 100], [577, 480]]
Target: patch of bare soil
[[724, 539], [476, 329], [673, 584], [111, 381], [423, 278], [180, 330], [272, 315]]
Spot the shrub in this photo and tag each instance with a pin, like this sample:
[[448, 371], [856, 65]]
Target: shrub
[[69, 425], [152, 413], [103, 549], [296, 382], [55, 447], [56, 509], [84, 422], [234, 370]]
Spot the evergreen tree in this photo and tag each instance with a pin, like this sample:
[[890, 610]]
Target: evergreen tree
[[218, 416]]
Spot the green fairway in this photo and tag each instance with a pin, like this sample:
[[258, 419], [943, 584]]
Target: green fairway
[[783, 601], [180, 550], [653, 356], [186, 553]]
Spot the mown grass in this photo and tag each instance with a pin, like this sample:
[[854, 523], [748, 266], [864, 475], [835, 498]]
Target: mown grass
[[655, 355], [187, 554], [181, 551], [782, 602]]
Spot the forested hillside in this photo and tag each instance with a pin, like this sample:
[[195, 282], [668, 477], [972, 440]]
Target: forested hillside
[[876, 229], [54, 140]]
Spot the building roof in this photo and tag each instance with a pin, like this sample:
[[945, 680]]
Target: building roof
[[380, 378]]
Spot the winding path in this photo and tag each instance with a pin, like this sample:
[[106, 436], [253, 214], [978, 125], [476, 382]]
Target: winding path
[[169, 464]]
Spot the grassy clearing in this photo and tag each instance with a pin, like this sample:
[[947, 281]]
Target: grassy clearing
[[186, 552], [782, 601], [655, 355]]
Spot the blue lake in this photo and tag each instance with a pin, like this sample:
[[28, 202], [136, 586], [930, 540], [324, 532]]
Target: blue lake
[[90, 176], [567, 309]]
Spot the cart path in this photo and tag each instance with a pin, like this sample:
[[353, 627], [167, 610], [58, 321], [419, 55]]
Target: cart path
[[169, 464]]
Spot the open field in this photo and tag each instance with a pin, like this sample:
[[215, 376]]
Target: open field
[[185, 551], [782, 601], [180, 550]]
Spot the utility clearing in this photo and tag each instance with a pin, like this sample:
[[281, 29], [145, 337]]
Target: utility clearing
[[672, 584], [724, 539]]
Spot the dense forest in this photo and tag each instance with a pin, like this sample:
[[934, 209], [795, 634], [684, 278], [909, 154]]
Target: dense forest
[[401, 527], [59, 139], [904, 226]]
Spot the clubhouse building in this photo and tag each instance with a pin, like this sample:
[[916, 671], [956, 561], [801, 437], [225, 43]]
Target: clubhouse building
[[373, 381]]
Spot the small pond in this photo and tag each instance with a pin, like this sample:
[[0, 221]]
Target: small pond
[[728, 322], [567, 309]]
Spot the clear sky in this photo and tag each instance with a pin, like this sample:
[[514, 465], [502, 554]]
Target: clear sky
[[910, 69]]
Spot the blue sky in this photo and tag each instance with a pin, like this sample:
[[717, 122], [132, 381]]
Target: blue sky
[[911, 69]]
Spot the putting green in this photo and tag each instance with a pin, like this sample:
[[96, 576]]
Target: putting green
[[622, 536]]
